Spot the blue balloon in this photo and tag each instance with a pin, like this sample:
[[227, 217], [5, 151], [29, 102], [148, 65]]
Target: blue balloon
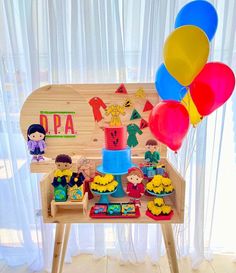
[[199, 13], [167, 86]]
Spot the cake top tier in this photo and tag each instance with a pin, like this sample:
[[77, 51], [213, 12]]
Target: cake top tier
[[115, 138]]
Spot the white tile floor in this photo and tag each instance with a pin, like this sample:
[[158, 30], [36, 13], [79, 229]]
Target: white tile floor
[[88, 264]]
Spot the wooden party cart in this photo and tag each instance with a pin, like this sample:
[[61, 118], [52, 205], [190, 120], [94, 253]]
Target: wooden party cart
[[75, 126]]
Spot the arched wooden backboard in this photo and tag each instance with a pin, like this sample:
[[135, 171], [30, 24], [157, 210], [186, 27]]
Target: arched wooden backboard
[[69, 117]]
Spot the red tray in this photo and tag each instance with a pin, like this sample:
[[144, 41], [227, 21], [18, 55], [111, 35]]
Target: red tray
[[104, 216], [160, 217]]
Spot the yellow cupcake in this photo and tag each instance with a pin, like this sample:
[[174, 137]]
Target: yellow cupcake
[[159, 202], [94, 186], [97, 179], [157, 183], [110, 187], [114, 183], [156, 210], [166, 181], [169, 189], [158, 190], [166, 209], [150, 205], [149, 186], [103, 188], [109, 177], [157, 180]]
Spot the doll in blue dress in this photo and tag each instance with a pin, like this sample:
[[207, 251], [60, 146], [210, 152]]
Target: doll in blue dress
[[36, 141]]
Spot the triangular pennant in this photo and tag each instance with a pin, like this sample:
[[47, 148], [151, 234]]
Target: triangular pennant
[[140, 93], [128, 103], [135, 115], [143, 124], [148, 106], [121, 89]]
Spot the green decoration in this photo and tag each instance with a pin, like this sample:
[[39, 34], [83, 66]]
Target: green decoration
[[132, 130], [152, 157], [56, 112], [60, 136], [135, 115]]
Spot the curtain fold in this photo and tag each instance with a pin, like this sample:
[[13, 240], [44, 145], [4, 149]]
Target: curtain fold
[[93, 41]]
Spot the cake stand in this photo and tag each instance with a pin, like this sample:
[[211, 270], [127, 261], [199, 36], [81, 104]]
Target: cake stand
[[118, 177], [104, 196], [160, 194]]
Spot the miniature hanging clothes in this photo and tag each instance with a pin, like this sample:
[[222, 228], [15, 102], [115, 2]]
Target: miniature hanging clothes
[[132, 130], [96, 103], [115, 111]]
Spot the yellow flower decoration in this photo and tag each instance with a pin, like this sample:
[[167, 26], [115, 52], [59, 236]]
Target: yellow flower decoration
[[166, 209], [169, 189], [114, 183], [150, 205], [94, 186], [157, 180], [104, 183], [109, 177], [149, 186], [158, 190], [156, 210], [166, 181], [110, 187], [97, 179], [159, 202]]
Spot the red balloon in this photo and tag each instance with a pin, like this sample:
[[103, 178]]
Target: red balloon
[[212, 87], [169, 123]]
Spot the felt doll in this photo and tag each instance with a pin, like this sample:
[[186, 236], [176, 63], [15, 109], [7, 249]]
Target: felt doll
[[62, 176], [152, 155], [63, 163], [36, 141], [135, 188]]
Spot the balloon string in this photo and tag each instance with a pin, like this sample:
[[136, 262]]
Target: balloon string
[[193, 138]]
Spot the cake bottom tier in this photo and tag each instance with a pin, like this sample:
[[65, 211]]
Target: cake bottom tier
[[115, 162]]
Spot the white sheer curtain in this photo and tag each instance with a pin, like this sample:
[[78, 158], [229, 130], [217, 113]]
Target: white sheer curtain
[[57, 41]]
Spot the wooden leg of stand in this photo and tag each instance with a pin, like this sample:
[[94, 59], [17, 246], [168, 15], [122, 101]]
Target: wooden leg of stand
[[170, 247], [64, 246], [57, 247]]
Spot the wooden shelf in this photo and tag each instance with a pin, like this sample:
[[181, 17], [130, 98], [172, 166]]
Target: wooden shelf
[[58, 208], [73, 216]]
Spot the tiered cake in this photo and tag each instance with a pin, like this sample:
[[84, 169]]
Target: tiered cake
[[116, 156]]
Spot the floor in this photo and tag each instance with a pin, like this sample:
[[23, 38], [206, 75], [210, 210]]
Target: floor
[[87, 264]]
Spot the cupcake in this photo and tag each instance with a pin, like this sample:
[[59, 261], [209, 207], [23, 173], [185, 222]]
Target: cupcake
[[166, 181], [166, 209], [169, 189], [104, 183], [159, 202]]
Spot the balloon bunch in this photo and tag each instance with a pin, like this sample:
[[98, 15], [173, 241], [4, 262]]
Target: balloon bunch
[[190, 87]]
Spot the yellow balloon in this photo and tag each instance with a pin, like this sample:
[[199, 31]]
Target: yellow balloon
[[185, 53], [194, 115]]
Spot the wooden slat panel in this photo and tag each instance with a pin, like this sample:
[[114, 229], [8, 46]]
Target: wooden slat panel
[[89, 138]]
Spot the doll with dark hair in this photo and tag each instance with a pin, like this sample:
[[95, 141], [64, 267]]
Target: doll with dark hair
[[62, 176], [63, 163], [36, 141]]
